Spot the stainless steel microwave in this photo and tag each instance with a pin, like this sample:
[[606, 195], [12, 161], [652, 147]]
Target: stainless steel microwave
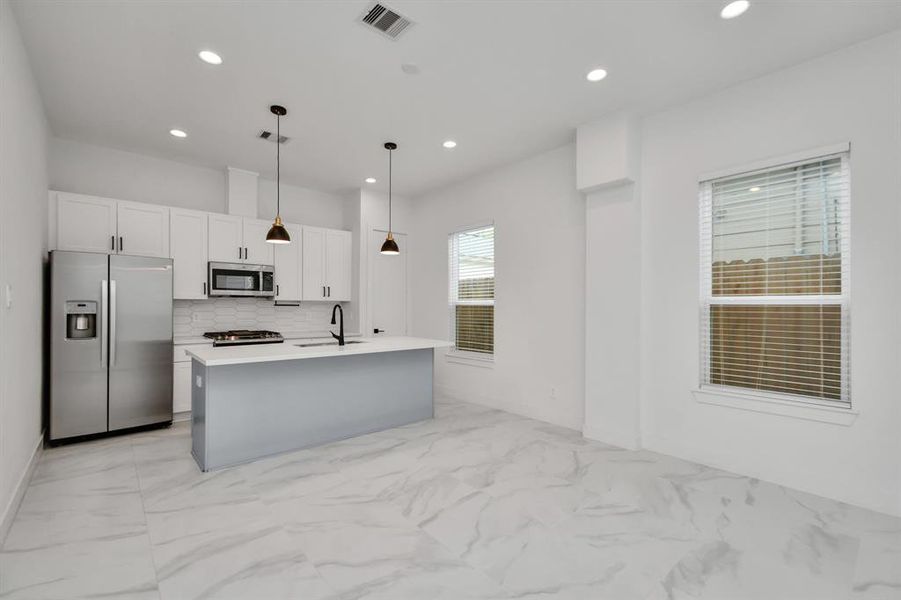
[[239, 279]]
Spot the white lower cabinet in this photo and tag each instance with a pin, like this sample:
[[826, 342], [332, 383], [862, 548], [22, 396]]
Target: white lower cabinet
[[181, 377], [181, 387]]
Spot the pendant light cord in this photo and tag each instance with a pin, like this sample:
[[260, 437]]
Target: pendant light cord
[[278, 165], [390, 178]]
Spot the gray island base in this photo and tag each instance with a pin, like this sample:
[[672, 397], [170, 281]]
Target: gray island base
[[245, 411]]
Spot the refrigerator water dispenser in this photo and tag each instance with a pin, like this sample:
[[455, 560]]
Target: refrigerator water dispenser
[[81, 320]]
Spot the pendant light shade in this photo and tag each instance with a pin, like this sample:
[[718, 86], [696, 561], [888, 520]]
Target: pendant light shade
[[389, 247], [277, 233]]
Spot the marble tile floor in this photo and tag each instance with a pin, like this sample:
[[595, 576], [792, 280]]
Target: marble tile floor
[[475, 504]]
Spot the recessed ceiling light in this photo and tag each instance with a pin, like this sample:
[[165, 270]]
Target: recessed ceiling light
[[596, 75], [178, 133], [370, 180], [754, 189], [449, 144], [208, 56], [734, 9]]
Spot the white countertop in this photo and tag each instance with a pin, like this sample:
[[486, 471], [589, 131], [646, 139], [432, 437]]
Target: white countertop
[[238, 355]]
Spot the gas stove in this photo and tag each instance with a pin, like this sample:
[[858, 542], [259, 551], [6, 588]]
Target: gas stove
[[240, 337]]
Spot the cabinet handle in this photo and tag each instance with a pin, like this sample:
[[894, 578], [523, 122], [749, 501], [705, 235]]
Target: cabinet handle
[[239, 253], [204, 288], [323, 291], [329, 288], [112, 243], [276, 289], [245, 252], [121, 245]]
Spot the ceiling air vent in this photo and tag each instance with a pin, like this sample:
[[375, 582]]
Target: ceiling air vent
[[270, 137], [385, 21]]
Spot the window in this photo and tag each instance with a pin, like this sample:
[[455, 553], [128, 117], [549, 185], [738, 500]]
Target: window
[[471, 298], [774, 259]]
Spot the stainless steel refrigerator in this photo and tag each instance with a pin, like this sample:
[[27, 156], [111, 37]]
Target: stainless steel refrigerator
[[111, 342]]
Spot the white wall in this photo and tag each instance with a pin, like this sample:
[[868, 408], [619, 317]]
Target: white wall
[[87, 169], [99, 171], [612, 315], [23, 244], [853, 95], [540, 292]]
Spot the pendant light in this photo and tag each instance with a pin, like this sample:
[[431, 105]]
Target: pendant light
[[390, 246], [277, 233]]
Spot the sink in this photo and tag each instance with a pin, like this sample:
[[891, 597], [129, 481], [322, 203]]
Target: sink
[[335, 343]]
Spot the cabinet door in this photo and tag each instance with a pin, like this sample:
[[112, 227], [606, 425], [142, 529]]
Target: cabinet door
[[188, 250], [85, 223], [181, 387], [143, 229], [289, 266], [337, 265], [313, 263], [257, 251], [226, 238]]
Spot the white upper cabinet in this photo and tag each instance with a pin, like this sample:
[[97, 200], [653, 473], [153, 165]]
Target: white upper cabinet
[[143, 229], [326, 264], [289, 266], [316, 265], [313, 263], [239, 240], [85, 223], [92, 224], [257, 251], [226, 238], [338, 246], [188, 249]]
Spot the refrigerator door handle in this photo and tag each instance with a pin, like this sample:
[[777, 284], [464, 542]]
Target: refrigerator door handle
[[112, 322], [104, 315]]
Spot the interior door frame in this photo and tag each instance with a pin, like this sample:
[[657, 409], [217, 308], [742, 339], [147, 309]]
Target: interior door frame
[[372, 234]]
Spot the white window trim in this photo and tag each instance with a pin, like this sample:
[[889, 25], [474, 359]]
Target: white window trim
[[475, 359], [808, 409], [762, 400], [466, 357]]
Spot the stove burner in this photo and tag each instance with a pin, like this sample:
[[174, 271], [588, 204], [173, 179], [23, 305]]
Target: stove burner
[[238, 337]]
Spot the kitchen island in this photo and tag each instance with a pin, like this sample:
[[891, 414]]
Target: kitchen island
[[257, 400]]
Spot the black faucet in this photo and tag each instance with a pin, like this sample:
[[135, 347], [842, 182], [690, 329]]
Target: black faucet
[[340, 335]]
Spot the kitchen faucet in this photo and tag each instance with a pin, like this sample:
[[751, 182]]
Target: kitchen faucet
[[340, 335]]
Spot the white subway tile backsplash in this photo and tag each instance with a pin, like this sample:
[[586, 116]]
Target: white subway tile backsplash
[[195, 317]]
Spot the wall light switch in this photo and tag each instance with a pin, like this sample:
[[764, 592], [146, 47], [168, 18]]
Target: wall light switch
[[199, 381], [8, 295]]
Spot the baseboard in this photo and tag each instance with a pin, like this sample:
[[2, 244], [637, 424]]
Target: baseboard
[[12, 508], [663, 445], [181, 416], [613, 438], [498, 404]]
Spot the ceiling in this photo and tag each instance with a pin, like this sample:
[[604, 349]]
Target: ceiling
[[504, 79]]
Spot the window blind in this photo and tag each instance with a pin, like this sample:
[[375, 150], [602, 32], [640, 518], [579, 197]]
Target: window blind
[[471, 289], [774, 284]]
